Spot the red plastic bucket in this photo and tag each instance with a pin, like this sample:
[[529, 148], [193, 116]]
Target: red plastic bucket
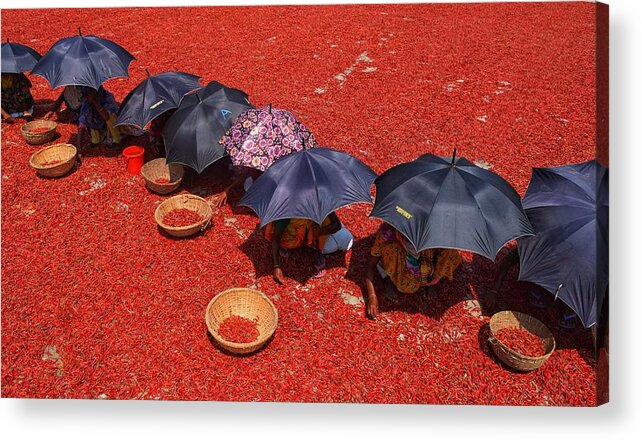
[[134, 158]]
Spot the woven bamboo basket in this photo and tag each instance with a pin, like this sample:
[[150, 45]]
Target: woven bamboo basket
[[187, 201], [66, 153], [158, 169], [246, 303], [32, 138], [511, 319]]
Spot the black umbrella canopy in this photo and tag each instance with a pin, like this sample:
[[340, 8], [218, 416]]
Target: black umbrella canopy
[[568, 256], [83, 60], [154, 96], [18, 58], [309, 184], [193, 132], [441, 202]]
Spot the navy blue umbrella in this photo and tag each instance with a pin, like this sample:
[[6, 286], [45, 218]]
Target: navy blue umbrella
[[441, 202], [83, 60], [309, 184], [568, 208], [18, 58], [193, 132], [154, 96]]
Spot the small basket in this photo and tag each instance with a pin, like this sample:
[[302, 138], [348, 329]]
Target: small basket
[[246, 303], [511, 319], [32, 138], [63, 152], [187, 201], [158, 169]]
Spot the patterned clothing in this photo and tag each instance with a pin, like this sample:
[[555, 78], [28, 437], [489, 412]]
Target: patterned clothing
[[297, 232], [16, 93], [407, 272]]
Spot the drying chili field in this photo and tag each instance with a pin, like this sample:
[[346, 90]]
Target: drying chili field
[[98, 304]]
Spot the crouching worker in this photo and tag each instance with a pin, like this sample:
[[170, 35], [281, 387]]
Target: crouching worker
[[72, 97], [17, 101], [98, 116], [403, 269], [289, 234]]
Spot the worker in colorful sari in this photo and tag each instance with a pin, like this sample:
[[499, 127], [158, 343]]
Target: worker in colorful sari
[[98, 115], [289, 234], [17, 101], [403, 269]]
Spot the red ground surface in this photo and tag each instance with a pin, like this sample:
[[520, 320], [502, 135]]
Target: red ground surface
[[97, 303]]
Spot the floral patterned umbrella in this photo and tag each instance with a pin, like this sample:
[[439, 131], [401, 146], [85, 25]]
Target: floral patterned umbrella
[[261, 136]]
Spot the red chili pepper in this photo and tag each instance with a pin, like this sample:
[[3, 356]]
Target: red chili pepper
[[116, 301], [238, 329], [521, 341], [39, 130], [52, 162], [181, 217]]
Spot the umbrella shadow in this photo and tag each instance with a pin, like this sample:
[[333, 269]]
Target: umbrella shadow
[[356, 272], [514, 295], [479, 274], [298, 266], [41, 106], [101, 150], [211, 181], [165, 234], [67, 116], [237, 191], [435, 305]]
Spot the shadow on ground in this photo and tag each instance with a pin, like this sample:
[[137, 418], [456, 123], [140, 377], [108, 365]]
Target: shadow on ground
[[299, 265]]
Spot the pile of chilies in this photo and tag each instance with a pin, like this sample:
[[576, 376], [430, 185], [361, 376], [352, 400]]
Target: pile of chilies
[[238, 329], [180, 217], [522, 341]]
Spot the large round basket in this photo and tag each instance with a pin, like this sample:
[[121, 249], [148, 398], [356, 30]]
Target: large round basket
[[157, 169], [246, 303], [54, 161], [186, 201], [511, 319], [38, 132]]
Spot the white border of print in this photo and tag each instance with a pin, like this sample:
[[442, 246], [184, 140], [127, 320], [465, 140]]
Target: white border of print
[[79, 419]]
